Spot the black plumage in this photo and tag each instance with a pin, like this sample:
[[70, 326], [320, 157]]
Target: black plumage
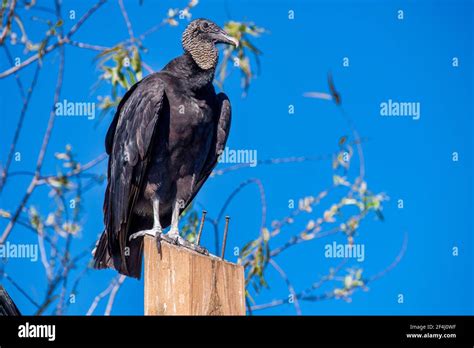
[[164, 142], [7, 306]]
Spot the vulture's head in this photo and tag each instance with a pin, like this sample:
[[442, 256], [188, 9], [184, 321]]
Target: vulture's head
[[200, 39]]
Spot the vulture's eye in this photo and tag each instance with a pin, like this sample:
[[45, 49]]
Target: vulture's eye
[[205, 26]]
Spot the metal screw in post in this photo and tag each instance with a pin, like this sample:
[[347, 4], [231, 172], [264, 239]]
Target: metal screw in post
[[226, 229], [203, 217]]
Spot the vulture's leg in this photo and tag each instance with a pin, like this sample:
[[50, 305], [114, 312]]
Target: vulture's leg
[[156, 230], [174, 237], [174, 230]]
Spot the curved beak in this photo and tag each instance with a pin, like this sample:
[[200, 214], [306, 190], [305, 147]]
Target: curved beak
[[223, 37]]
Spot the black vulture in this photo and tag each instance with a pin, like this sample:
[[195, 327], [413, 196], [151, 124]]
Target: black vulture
[[164, 141], [7, 306]]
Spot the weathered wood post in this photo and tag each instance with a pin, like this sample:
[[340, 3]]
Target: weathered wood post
[[181, 281]]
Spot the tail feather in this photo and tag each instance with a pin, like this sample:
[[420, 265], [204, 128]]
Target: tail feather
[[104, 257], [101, 254], [108, 253]]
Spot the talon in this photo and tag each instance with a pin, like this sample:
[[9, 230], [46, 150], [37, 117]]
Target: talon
[[136, 235], [173, 235], [154, 232], [158, 243]]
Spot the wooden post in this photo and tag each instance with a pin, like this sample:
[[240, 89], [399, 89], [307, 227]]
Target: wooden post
[[184, 282]]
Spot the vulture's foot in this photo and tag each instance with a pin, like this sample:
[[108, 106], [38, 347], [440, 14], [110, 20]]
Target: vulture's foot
[[152, 232], [173, 237], [173, 233]]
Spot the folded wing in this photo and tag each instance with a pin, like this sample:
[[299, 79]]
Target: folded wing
[[128, 144]]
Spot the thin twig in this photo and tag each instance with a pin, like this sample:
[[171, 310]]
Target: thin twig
[[52, 47], [19, 127], [237, 190], [152, 30], [300, 159], [127, 20], [288, 284], [395, 262], [330, 294], [113, 293], [23, 292], [42, 152], [148, 68], [44, 258], [6, 29], [85, 17], [44, 180], [17, 77], [88, 46], [101, 296]]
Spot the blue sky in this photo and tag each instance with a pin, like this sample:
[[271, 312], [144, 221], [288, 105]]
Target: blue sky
[[407, 60]]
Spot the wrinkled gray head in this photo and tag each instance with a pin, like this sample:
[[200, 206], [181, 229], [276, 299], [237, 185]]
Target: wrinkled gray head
[[200, 39]]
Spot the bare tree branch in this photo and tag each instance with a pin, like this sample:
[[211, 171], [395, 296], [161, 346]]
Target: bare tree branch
[[88, 46], [127, 20], [102, 295], [235, 193], [44, 258], [6, 29], [111, 289], [19, 127], [44, 180], [288, 284], [113, 293], [17, 77], [394, 263], [42, 152], [19, 288], [52, 47], [238, 166]]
